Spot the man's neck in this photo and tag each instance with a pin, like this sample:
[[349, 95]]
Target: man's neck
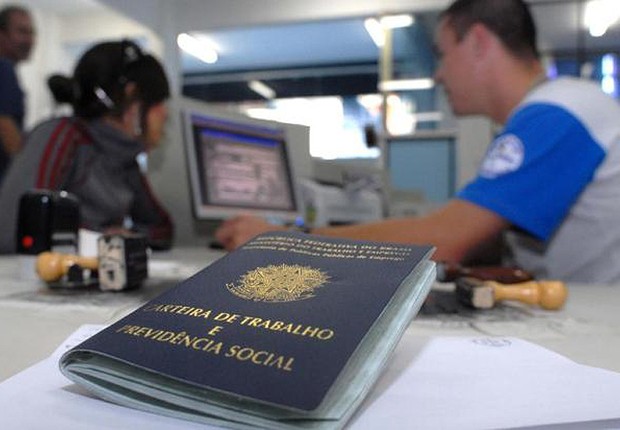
[[514, 87]]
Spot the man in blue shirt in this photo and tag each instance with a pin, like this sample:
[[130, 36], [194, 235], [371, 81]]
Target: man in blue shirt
[[16, 42], [550, 181]]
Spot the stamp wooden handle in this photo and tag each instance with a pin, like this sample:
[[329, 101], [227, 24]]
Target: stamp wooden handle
[[51, 266], [549, 295]]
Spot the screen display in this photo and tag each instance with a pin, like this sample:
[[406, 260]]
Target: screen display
[[424, 163], [238, 166]]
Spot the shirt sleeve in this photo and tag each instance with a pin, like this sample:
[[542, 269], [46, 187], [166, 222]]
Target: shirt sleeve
[[536, 168]]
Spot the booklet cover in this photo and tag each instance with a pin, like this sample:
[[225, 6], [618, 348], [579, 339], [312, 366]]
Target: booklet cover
[[289, 331]]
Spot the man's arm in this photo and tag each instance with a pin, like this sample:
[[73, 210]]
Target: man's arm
[[458, 230], [10, 136]]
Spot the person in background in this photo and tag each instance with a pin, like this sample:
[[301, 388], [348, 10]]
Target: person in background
[[550, 181], [17, 38], [118, 94]]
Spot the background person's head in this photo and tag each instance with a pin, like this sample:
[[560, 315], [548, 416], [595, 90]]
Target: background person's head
[[17, 33], [118, 82], [510, 20], [474, 40]]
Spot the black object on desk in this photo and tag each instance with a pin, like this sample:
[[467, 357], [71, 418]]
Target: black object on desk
[[450, 272], [47, 220]]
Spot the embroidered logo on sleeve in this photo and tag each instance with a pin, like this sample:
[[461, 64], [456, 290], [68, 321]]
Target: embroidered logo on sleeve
[[505, 156]]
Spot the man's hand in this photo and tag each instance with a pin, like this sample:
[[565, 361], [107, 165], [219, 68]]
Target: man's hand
[[236, 231]]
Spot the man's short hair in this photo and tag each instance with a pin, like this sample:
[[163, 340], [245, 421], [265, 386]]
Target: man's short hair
[[6, 13], [510, 20]]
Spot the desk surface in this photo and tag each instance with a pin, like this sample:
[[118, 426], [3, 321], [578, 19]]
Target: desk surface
[[586, 330], [35, 320]]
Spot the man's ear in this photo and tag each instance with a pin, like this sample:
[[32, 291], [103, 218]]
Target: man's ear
[[481, 40]]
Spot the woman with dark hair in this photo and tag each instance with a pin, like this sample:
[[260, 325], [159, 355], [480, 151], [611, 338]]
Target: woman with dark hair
[[118, 96]]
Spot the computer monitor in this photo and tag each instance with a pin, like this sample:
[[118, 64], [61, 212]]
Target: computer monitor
[[423, 162], [238, 165]]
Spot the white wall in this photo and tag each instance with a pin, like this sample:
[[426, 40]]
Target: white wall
[[33, 73], [89, 28]]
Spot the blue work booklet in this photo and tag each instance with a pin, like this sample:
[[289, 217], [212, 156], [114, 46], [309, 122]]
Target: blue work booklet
[[289, 331]]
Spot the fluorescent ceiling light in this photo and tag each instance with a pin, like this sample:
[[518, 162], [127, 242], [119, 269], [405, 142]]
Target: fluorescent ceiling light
[[396, 21], [370, 102], [608, 65], [406, 84], [201, 48], [376, 31], [376, 27], [600, 15], [262, 89]]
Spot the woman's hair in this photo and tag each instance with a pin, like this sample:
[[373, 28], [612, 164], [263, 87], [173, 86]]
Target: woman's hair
[[510, 20], [98, 85]]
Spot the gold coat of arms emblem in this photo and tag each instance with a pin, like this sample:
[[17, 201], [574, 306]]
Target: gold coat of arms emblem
[[279, 283]]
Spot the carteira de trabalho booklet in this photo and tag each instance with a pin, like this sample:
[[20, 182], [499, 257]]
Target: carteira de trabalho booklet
[[290, 331]]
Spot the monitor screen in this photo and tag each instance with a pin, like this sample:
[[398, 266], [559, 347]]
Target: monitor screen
[[423, 162], [238, 165]]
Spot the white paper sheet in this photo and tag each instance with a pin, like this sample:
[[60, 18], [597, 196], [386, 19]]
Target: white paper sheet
[[446, 383], [480, 383]]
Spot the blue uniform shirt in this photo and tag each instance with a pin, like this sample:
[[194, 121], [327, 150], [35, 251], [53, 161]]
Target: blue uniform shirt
[[554, 173], [536, 168]]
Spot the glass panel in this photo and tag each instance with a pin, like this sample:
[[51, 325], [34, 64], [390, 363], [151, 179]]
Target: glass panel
[[413, 58]]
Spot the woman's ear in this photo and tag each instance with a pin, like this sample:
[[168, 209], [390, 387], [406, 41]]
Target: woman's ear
[[133, 112], [155, 124], [132, 119], [131, 90]]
